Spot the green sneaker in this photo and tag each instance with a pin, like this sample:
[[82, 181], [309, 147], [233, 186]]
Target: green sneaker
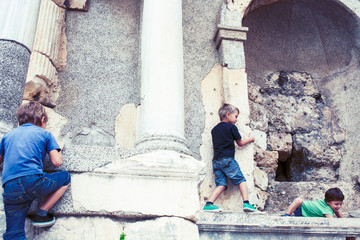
[[212, 207], [249, 208]]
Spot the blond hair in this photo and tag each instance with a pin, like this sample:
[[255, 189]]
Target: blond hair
[[227, 108]]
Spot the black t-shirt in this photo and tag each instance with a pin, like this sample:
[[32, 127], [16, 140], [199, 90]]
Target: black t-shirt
[[223, 136]]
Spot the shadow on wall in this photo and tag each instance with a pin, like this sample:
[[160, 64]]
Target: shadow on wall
[[306, 36]]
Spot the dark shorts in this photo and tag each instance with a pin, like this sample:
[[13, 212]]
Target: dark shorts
[[19, 194], [227, 168], [298, 212]]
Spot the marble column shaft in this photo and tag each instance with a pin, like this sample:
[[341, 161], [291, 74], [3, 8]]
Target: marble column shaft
[[162, 78]]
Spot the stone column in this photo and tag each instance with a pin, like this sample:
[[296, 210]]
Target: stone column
[[162, 80], [18, 19]]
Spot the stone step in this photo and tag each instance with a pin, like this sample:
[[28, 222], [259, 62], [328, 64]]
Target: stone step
[[239, 225]]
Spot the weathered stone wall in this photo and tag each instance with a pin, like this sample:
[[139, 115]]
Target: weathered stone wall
[[97, 110]]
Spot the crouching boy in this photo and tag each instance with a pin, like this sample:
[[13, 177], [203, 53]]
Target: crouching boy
[[23, 151]]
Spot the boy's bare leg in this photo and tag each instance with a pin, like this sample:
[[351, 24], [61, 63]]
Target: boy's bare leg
[[294, 205], [244, 191], [216, 193], [53, 198]]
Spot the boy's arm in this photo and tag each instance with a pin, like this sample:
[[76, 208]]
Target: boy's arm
[[243, 142], [328, 216], [339, 214], [56, 156]]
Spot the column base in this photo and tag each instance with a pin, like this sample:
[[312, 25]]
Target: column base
[[162, 142]]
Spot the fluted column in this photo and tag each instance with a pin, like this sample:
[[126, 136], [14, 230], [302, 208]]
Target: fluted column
[[48, 55], [18, 19], [162, 80]]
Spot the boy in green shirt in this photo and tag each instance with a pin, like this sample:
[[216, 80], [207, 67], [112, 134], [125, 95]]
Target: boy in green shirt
[[319, 208]]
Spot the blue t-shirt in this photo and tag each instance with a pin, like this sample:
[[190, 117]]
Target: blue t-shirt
[[223, 136], [24, 150]]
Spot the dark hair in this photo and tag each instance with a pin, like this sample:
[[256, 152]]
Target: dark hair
[[31, 112], [334, 194]]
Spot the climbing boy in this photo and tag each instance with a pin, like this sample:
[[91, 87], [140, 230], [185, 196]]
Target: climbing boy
[[224, 164], [22, 152], [319, 208]]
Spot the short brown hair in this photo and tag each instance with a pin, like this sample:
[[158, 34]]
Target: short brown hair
[[227, 108], [31, 112], [334, 194]]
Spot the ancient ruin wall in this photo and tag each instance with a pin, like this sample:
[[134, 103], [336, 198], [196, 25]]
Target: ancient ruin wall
[[292, 45]]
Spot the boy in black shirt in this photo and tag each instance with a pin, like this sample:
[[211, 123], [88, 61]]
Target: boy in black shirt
[[224, 164]]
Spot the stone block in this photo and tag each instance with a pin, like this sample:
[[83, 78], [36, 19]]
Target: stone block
[[234, 225], [98, 228], [260, 139], [267, 161], [232, 54], [78, 4], [41, 81], [282, 143], [261, 179], [160, 183]]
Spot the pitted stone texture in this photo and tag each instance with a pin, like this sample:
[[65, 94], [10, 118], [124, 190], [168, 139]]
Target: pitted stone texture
[[5, 128], [281, 143], [335, 74], [14, 62], [301, 127], [232, 54], [267, 161], [200, 56], [99, 79], [82, 158]]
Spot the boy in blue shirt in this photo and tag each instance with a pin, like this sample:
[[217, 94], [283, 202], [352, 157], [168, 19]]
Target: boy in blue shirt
[[22, 152], [224, 164], [319, 208]]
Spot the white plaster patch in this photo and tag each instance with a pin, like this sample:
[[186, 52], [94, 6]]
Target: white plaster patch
[[125, 126]]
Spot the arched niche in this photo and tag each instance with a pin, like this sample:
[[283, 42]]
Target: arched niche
[[317, 38]]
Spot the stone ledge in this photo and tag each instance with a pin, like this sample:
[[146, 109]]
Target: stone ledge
[[232, 225]]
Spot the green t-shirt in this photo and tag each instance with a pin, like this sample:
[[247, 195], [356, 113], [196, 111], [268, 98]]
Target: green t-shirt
[[316, 208]]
